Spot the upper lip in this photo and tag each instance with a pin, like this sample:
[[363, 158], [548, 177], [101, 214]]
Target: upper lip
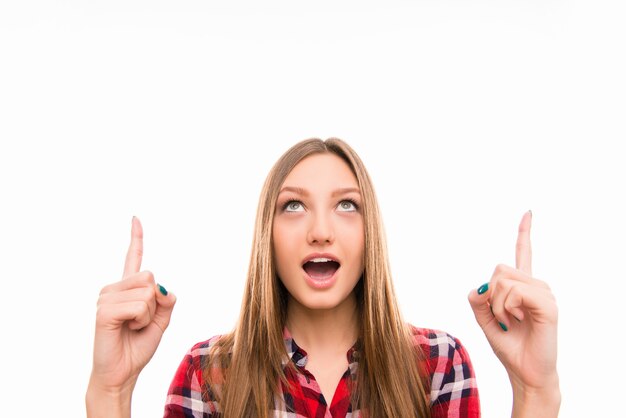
[[320, 255]]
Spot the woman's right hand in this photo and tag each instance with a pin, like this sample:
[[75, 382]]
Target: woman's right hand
[[131, 318]]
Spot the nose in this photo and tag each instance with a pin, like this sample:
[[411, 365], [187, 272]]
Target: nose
[[321, 230]]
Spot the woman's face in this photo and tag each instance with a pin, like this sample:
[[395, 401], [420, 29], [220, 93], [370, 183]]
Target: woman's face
[[318, 232]]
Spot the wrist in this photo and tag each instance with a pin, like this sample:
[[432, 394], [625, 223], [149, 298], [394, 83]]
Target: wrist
[[543, 402], [110, 403]]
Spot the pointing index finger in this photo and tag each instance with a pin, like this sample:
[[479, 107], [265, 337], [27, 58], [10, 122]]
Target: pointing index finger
[[523, 252], [135, 249]]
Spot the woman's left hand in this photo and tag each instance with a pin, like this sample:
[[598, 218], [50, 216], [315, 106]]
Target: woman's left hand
[[519, 316]]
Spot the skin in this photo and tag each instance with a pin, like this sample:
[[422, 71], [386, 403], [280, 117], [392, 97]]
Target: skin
[[313, 215], [133, 313], [528, 349], [131, 318]]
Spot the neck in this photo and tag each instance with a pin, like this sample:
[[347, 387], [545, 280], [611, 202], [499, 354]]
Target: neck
[[333, 329]]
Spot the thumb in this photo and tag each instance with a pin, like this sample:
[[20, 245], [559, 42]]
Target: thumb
[[479, 301], [165, 305]]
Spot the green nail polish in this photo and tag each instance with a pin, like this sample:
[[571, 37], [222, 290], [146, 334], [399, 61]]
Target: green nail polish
[[162, 290], [504, 328], [482, 289]]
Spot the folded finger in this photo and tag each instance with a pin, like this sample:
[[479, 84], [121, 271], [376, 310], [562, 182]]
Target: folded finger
[[518, 299], [136, 280], [502, 271], [135, 313], [498, 301], [144, 293]]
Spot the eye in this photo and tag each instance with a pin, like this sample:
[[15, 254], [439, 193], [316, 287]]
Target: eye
[[347, 206], [293, 206]]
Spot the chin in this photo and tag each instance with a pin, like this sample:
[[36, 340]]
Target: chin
[[321, 302]]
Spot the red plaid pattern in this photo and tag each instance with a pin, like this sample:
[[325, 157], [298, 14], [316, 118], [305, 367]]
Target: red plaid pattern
[[453, 385]]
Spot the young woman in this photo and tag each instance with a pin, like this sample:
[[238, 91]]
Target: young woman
[[320, 333]]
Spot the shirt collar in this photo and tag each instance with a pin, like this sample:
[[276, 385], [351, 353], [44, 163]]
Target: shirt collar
[[300, 357]]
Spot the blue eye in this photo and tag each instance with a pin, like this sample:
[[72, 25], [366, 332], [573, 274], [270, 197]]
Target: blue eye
[[347, 206], [293, 206]]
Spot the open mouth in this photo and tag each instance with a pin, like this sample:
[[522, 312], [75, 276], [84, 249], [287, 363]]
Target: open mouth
[[321, 268]]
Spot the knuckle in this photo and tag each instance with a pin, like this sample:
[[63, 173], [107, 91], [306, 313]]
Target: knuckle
[[500, 268], [102, 314], [148, 293], [148, 276], [141, 308], [104, 299], [511, 286], [105, 289], [508, 305], [511, 302], [544, 284]]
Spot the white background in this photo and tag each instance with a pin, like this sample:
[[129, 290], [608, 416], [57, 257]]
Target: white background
[[467, 114]]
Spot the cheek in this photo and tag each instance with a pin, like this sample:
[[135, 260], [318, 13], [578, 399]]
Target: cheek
[[289, 233], [282, 237], [352, 239], [359, 242], [352, 232], [283, 247]]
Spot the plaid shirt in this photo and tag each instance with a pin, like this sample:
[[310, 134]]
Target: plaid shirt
[[453, 386]]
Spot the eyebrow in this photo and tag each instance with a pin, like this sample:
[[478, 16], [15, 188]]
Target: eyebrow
[[303, 192]]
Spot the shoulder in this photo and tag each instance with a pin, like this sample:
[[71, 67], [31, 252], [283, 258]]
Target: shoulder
[[452, 380], [441, 351], [197, 355], [203, 348], [188, 393], [190, 368], [435, 343]]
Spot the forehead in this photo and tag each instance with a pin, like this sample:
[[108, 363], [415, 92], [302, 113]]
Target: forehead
[[321, 170]]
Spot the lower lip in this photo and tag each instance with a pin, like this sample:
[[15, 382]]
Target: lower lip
[[321, 284]]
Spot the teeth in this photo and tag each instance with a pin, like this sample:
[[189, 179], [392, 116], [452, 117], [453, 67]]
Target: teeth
[[320, 260]]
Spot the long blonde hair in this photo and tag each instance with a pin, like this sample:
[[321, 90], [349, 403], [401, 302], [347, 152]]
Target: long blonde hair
[[245, 367]]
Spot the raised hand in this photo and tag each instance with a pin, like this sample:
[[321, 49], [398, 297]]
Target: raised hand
[[131, 318], [519, 316]]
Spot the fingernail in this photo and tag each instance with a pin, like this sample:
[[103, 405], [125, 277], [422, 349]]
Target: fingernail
[[482, 289], [504, 328], [531, 213], [162, 290]]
